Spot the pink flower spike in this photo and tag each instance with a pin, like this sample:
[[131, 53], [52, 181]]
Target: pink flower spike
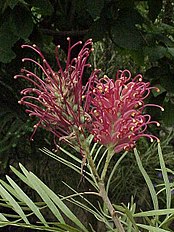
[[117, 111], [58, 98]]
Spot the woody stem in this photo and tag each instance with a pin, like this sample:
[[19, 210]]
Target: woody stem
[[103, 193]]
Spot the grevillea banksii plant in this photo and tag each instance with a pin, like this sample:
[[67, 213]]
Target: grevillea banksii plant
[[113, 111], [117, 110], [57, 97]]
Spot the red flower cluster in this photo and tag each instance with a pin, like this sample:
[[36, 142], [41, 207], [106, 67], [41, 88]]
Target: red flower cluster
[[56, 97], [111, 110], [117, 111]]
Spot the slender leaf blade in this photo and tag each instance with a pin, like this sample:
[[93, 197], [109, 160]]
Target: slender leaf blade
[[16, 207], [152, 228], [60, 203], [165, 177], [158, 212], [45, 197], [3, 218], [148, 181], [27, 201]]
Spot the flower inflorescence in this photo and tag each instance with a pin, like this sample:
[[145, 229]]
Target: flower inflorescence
[[110, 110], [56, 97], [117, 111]]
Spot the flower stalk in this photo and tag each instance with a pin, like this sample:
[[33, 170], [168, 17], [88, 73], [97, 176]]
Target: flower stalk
[[110, 207], [109, 156], [101, 186]]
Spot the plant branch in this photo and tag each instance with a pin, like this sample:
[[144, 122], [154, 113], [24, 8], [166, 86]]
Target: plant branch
[[103, 192], [111, 209]]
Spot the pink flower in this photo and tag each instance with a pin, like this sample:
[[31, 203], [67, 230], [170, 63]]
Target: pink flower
[[111, 110], [57, 97], [117, 111]]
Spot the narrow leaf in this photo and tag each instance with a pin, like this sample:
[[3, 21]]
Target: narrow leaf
[[152, 228], [59, 203], [16, 207], [20, 175], [148, 181], [154, 213], [3, 218], [27, 201], [45, 197], [165, 177]]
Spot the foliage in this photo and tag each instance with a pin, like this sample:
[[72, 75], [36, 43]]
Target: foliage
[[23, 208]]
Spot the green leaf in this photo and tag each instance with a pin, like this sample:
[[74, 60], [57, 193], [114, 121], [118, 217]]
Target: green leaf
[[27, 201], [7, 40], [97, 30], [68, 228], [168, 114], [22, 22], [43, 7], [58, 202], [94, 7], [148, 180], [62, 160], [16, 207], [166, 80], [57, 227], [92, 209], [10, 189], [155, 7], [12, 3], [2, 218], [158, 212], [49, 197], [152, 229], [124, 31], [20, 175], [165, 177], [69, 163], [45, 197], [155, 53], [171, 51], [130, 214]]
